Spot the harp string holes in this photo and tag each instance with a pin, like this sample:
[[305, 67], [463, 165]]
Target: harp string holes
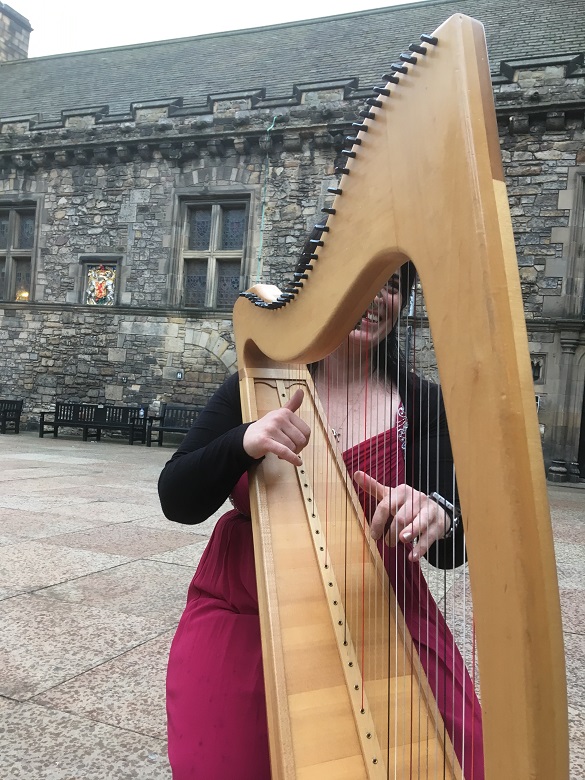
[[347, 630]]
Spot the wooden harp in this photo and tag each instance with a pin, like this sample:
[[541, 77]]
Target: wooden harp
[[426, 185]]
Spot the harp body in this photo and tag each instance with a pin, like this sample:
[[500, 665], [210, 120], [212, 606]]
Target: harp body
[[426, 185]]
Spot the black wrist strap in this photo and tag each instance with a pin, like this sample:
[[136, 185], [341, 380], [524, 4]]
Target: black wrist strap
[[451, 510]]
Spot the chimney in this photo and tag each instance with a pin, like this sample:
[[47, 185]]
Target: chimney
[[15, 31]]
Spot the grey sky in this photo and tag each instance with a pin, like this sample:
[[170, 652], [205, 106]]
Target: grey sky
[[77, 25]]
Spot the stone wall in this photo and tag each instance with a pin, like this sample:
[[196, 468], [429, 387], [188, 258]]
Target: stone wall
[[112, 190], [15, 32], [111, 186], [541, 120], [119, 356]]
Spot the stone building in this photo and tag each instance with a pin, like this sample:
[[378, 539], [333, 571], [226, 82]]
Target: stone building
[[141, 187]]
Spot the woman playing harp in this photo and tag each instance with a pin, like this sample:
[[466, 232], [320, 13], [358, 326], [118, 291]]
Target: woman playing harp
[[215, 688]]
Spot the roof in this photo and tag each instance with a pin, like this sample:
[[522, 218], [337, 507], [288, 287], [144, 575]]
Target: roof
[[273, 59]]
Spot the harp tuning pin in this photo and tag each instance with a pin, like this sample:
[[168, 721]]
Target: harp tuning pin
[[309, 256], [382, 91], [328, 210], [399, 67], [351, 139], [391, 78], [374, 102], [342, 170], [349, 153], [429, 39], [298, 275], [360, 126], [416, 47], [334, 190], [367, 114], [316, 242], [408, 57], [322, 226]]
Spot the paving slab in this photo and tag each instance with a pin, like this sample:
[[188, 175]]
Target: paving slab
[[93, 579], [41, 743], [131, 541], [152, 589], [30, 565], [118, 692], [20, 524], [45, 641]]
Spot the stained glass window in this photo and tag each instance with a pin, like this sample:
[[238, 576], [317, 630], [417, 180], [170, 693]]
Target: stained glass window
[[26, 231], [195, 282], [3, 231], [228, 283], [214, 253], [17, 238], [200, 228], [22, 279], [233, 225], [101, 285]]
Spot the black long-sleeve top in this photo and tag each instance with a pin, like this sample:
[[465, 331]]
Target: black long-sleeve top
[[203, 471]]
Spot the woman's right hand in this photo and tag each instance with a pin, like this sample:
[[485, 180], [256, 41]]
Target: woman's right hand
[[281, 432]]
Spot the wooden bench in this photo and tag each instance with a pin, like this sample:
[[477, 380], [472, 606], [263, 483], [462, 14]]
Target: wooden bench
[[173, 418], [93, 418], [10, 412]]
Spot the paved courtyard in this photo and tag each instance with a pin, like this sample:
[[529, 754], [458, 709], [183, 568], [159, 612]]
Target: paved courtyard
[[92, 583]]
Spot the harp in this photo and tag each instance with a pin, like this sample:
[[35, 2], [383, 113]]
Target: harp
[[426, 185]]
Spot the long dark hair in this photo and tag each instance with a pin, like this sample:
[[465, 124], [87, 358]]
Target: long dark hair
[[388, 360], [387, 356]]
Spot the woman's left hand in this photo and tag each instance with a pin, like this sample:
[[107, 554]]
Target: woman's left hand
[[413, 515]]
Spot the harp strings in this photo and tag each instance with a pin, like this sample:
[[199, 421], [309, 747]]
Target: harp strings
[[415, 761], [449, 589], [422, 367], [363, 397]]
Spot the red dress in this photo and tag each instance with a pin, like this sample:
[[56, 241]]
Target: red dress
[[216, 709]]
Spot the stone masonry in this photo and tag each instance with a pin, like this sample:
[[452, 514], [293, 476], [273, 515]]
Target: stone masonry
[[110, 186], [111, 192], [15, 32]]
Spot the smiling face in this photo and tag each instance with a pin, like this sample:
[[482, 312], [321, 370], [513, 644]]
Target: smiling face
[[379, 319]]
